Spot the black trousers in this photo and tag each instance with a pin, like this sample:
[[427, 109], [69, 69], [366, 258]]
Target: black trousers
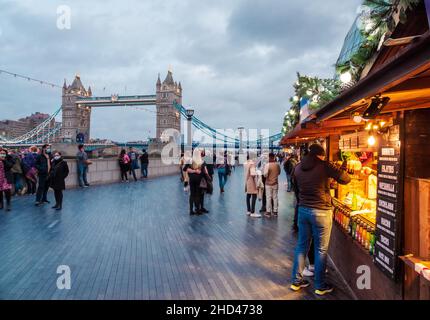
[[195, 196], [250, 202], [42, 189], [124, 171], [8, 195], [31, 186], [58, 197], [133, 172]]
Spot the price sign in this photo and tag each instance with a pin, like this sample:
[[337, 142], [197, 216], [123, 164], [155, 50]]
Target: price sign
[[389, 209]]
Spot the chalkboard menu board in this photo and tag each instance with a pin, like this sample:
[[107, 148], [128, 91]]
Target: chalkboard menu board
[[389, 202]]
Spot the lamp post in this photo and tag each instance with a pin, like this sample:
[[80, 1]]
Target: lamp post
[[240, 139], [189, 113]]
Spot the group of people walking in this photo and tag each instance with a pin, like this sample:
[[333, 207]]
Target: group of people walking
[[197, 172], [34, 171], [261, 181], [129, 163]]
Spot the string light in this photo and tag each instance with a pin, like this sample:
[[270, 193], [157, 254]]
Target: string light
[[41, 82]]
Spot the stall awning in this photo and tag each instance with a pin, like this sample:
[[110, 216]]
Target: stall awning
[[312, 130]]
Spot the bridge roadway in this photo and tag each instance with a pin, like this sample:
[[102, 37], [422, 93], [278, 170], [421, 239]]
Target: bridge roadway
[[137, 241]]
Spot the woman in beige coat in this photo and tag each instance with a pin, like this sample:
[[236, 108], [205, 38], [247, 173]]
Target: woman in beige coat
[[251, 188]]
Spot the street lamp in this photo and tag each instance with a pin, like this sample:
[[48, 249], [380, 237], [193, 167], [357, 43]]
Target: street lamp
[[240, 139], [189, 113]]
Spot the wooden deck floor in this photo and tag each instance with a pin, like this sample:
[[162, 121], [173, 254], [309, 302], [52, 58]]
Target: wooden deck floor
[[137, 241]]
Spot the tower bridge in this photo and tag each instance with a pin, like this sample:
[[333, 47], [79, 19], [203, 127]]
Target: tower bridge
[[78, 102]]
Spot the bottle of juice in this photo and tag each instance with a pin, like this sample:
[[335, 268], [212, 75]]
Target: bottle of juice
[[364, 236], [372, 242], [357, 229], [367, 246], [353, 226], [348, 225]]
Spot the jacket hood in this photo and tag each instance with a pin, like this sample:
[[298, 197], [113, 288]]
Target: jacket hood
[[309, 162]]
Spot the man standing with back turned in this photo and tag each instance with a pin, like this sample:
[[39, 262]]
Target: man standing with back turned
[[311, 183]]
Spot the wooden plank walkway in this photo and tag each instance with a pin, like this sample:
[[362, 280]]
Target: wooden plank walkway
[[137, 241]]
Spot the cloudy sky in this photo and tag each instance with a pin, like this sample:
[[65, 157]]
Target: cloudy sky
[[236, 59]]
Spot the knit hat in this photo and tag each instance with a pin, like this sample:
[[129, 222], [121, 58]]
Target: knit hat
[[316, 150]]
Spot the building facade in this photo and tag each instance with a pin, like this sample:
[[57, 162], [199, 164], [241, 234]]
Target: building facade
[[12, 129]]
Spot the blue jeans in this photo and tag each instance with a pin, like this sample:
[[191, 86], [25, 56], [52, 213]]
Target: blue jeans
[[314, 225], [289, 182], [144, 170], [82, 175], [222, 177]]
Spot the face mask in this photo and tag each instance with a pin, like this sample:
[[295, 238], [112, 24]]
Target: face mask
[[2, 156], [57, 158]]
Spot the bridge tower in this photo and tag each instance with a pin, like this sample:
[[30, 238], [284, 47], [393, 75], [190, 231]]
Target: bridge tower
[[76, 118], [167, 115]]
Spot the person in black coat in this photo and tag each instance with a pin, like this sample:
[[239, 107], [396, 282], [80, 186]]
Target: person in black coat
[[6, 178], [43, 166], [57, 177]]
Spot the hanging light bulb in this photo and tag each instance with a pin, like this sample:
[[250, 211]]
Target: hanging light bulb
[[346, 77], [295, 98], [371, 141]]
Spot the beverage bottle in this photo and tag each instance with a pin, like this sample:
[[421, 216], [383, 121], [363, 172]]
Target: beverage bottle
[[348, 225], [368, 238], [364, 236], [357, 228], [354, 225], [372, 242]]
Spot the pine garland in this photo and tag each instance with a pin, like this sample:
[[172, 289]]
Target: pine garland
[[378, 20], [316, 91]]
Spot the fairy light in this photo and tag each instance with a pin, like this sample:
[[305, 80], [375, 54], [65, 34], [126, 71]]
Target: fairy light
[[41, 82]]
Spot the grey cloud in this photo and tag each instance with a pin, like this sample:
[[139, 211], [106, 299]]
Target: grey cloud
[[236, 59]]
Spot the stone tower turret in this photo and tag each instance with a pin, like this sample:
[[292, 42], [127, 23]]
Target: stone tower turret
[[167, 115], [76, 118]]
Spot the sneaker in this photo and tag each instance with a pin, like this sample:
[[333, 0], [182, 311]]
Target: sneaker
[[248, 213], [46, 201], [255, 215], [203, 210], [8, 208], [308, 272], [324, 290], [297, 285], [267, 215], [86, 186]]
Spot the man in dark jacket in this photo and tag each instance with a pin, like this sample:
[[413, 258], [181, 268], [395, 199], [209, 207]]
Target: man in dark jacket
[[144, 162], [311, 180], [289, 166], [43, 166]]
